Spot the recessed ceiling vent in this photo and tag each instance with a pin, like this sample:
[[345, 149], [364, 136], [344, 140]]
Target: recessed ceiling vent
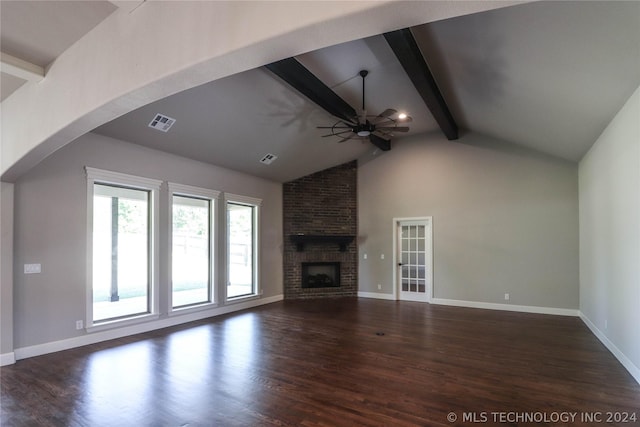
[[268, 159], [162, 122]]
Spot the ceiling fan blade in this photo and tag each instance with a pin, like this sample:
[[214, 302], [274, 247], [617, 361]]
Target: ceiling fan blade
[[381, 143], [334, 127], [386, 113], [301, 79], [392, 123], [336, 133], [393, 129]]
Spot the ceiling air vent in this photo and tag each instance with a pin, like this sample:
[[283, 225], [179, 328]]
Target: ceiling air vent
[[268, 159], [162, 122]]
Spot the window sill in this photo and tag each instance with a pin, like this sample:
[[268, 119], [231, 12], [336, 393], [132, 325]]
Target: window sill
[[103, 326], [192, 309], [242, 298]]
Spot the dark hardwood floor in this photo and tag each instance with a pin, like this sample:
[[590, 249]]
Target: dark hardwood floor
[[338, 362]]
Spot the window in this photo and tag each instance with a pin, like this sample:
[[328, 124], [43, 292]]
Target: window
[[123, 236], [192, 248], [242, 246], [123, 254]]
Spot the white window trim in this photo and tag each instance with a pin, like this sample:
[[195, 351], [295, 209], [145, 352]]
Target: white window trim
[[256, 203], [246, 200], [212, 196], [189, 190], [100, 176]]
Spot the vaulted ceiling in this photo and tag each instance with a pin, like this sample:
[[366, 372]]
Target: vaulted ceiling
[[546, 75], [37, 32]]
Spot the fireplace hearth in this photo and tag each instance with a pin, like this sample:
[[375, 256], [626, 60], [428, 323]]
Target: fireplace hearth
[[320, 274]]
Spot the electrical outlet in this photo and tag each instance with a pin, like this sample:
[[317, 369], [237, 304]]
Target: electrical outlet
[[32, 268], [381, 256], [365, 256], [379, 286], [506, 297], [79, 324]]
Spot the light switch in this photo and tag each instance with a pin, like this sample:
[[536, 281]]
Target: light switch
[[32, 268]]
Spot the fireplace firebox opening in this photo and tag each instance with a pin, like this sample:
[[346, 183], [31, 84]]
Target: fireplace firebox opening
[[320, 274]]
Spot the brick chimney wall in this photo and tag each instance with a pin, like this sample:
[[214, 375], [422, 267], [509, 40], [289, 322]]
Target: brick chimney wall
[[321, 203]]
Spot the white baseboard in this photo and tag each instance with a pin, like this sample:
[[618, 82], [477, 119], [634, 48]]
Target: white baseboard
[[624, 360], [376, 295], [7, 359], [484, 305], [507, 307], [92, 338]]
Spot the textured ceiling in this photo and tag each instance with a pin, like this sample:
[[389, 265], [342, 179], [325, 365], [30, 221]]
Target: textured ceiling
[[546, 75], [39, 31], [234, 122]]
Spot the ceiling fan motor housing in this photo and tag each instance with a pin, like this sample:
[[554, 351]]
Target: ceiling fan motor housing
[[364, 129]]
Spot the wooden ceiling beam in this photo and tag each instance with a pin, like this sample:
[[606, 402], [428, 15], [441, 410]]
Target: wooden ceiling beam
[[406, 49], [301, 79]]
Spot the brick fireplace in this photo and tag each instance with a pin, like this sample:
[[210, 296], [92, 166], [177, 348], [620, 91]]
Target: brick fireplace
[[320, 225]]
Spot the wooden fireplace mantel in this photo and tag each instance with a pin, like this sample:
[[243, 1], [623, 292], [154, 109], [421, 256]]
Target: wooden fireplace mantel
[[341, 240]]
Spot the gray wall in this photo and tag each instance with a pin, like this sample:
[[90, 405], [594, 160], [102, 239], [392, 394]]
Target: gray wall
[[51, 228], [6, 269], [610, 235], [505, 220]]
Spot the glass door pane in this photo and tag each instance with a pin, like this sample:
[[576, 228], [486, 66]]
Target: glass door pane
[[412, 256], [121, 244], [191, 251], [241, 249]]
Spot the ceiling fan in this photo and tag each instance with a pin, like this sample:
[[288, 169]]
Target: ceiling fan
[[377, 129]]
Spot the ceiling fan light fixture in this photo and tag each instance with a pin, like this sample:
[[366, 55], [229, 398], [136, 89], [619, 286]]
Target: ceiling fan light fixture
[[364, 133]]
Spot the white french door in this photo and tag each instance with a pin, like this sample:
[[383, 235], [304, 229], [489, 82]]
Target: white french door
[[413, 258]]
